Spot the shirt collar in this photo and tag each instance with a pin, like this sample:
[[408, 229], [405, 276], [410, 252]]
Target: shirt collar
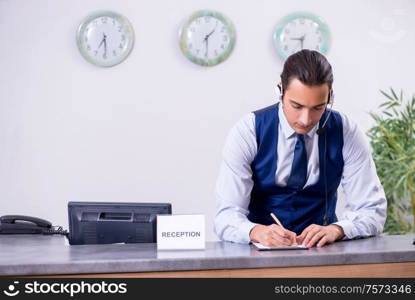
[[287, 130]]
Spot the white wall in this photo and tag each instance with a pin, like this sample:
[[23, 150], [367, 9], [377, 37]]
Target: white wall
[[152, 128]]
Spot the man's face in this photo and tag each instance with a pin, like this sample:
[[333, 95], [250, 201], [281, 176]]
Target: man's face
[[304, 105]]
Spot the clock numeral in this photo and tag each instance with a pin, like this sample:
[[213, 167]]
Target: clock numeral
[[225, 38], [95, 52], [285, 48], [223, 29], [222, 46], [88, 47], [119, 28], [320, 39], [113, 22], [95, 22], [86, 39], [190, 46], [104, 20], [207, 19], [216, 52], [104, 56], [120, 46], [287, 30], [198, 20], [318, 48], [123, 37], [114, 53], [192, 29], [197, 51]]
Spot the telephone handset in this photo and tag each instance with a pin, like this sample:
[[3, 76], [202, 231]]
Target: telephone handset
[[15, 224]]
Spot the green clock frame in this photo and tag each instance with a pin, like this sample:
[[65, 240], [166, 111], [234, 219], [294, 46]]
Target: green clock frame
[[278, 32], [103, 13], [229, 27]]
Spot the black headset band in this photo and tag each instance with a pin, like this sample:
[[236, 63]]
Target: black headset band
[[331, 93]]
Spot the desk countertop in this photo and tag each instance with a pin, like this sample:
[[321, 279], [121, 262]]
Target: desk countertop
[[41, 255]]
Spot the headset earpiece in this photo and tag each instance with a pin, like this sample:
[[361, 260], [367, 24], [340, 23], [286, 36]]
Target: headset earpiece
[[331, 96], [281, 90]]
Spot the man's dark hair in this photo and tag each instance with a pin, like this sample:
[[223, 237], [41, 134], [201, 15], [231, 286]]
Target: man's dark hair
[[308, 66]]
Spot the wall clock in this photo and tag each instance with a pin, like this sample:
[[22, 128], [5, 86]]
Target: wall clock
[[105, 38], [301, 30], [207, 38]]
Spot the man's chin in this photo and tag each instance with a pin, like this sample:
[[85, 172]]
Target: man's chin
[[303, 130]]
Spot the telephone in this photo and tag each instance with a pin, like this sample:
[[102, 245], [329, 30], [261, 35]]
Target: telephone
[[18, 224]]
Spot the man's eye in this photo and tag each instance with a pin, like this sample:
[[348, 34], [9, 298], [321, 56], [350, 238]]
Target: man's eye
[[318, 108], [296, 107]]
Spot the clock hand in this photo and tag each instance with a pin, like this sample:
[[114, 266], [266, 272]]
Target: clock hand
[[297, 38], [302, 41], [214, 29], [206, 39], [99, 46], [207, 48], [209, 34], [103, 40]]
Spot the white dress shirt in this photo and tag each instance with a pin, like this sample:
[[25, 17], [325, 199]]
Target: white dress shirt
[[366, 201]]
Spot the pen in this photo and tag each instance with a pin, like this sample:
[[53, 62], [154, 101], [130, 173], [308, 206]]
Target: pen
[[279, 223], [276, 220]]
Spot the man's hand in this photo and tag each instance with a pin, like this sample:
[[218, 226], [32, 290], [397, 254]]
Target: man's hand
[[272, 235], [321, 234]]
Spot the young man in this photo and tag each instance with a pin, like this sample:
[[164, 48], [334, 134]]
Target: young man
[[289, 159]]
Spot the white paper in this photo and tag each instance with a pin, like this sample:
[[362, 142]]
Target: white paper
[[294, 246]]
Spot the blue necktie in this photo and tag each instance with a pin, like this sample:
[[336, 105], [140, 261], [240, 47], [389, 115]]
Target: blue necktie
[[298, 176]]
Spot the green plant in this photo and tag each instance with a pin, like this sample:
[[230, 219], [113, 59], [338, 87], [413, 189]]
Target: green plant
[[393, 142]]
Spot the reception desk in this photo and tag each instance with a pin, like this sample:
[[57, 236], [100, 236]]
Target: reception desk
[[38, 255]]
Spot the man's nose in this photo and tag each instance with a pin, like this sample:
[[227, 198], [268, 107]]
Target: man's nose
[[305, 117]]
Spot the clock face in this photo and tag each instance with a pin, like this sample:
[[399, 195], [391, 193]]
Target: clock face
[[207, 38], [300, 31], [105, 38]]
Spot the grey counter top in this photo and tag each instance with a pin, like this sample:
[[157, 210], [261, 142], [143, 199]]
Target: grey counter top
[[38, 254]]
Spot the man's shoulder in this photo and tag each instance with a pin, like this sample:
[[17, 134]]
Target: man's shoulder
[[266, 110], [348, 124]]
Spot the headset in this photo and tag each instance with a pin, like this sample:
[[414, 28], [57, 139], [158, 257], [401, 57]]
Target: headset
[[320, 131]]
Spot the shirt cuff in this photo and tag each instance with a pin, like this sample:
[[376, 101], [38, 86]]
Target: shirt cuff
[[348, 229], [245, 229]]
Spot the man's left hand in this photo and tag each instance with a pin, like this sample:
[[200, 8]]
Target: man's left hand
[[321, 235]]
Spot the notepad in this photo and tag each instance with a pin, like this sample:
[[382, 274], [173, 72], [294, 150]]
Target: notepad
[[261, 247]]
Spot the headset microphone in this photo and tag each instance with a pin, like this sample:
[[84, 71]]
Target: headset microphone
[[330, 100], [320, 131], [323, 127]]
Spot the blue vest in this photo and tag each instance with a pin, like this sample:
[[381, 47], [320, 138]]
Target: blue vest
[[296, 209]]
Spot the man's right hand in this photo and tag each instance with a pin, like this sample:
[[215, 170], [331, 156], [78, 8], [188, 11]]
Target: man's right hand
[[272, 235]]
